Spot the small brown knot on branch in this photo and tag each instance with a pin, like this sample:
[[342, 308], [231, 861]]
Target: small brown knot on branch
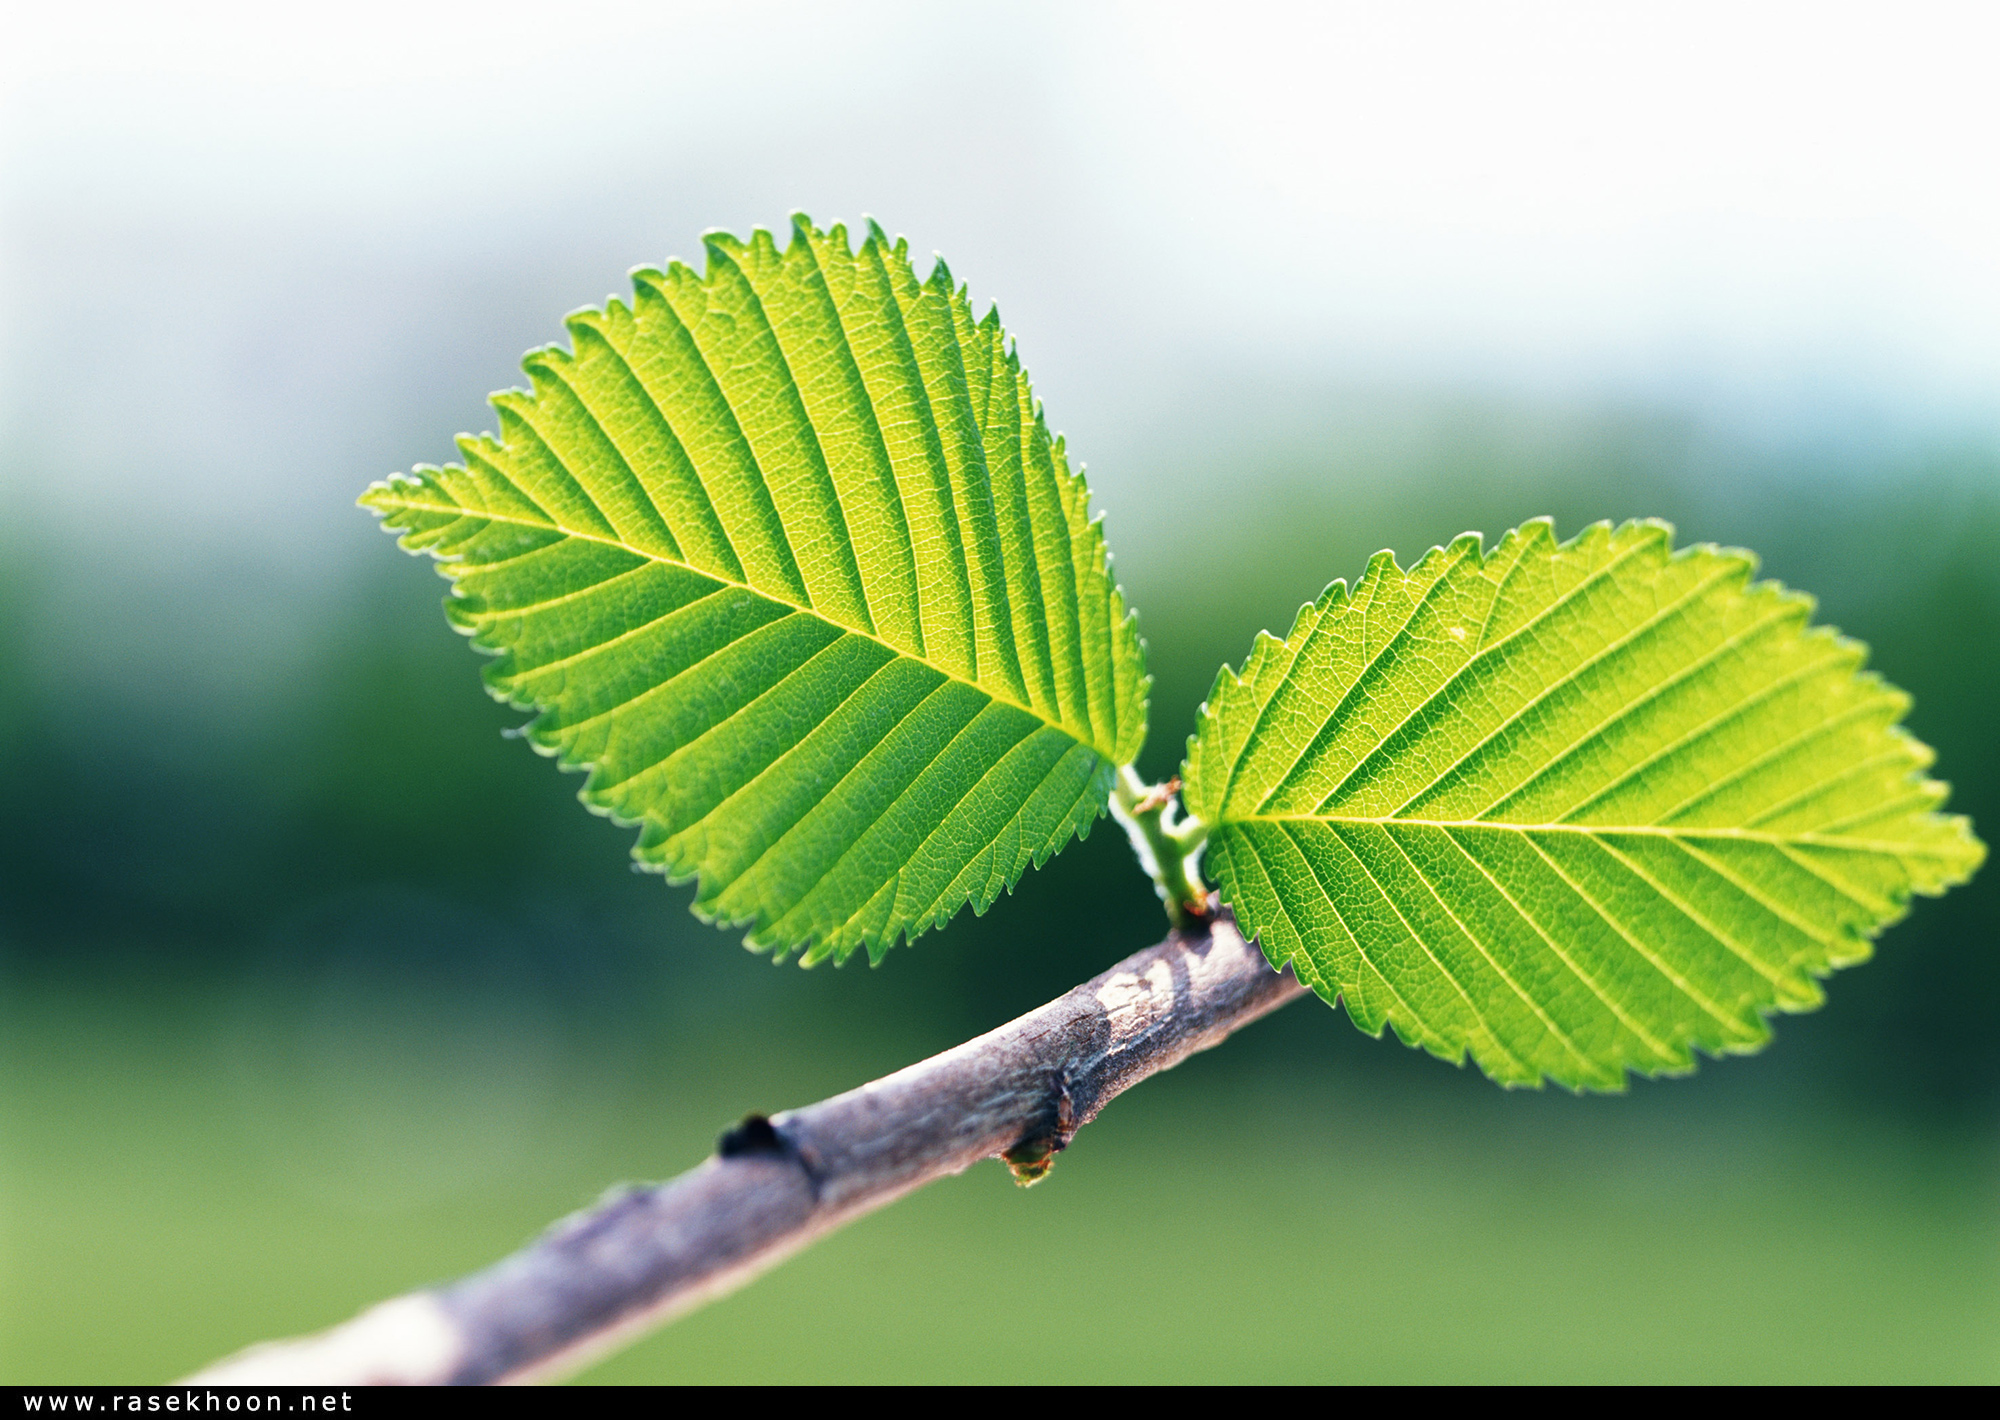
[[1035, 1154], [755, 1135]]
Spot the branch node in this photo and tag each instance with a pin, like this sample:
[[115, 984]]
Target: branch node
[[761, 1137], [755, 1135], [1035, 1154]]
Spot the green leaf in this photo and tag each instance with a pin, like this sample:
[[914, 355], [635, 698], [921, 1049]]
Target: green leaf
[[1575, 809], [786, 558]]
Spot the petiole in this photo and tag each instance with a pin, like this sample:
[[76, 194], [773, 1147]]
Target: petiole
[[1168, 846]]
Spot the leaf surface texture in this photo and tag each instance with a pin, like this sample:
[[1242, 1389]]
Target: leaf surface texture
[[785, 556], [1574, 809]]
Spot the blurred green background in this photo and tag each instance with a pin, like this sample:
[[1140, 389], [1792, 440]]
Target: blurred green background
[[315, 987]]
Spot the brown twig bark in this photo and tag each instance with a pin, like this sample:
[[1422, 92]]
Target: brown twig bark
[[646, 1255]]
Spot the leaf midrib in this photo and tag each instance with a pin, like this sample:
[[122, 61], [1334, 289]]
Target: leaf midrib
[[1593, 830], [621, 545]]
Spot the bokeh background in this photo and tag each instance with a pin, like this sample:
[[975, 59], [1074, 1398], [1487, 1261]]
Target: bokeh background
[[315, 987]]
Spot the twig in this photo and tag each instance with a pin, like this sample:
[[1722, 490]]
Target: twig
[[646, 1255]]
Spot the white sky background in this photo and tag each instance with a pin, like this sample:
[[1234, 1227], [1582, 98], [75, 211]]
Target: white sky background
[[1632, 192], [1520, 190], [237, 239]]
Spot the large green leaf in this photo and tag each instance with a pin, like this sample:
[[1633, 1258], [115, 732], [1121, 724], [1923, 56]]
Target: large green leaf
[[786, 557], [1575, 809]]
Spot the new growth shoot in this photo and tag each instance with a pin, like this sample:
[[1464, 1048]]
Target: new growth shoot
[[1167, 844]]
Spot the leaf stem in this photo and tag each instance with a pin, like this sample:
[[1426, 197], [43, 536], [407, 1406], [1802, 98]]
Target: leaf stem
[[1168, 847]]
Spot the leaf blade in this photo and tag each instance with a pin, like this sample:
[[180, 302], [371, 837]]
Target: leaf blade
[[1573, 810], [738, 549]]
